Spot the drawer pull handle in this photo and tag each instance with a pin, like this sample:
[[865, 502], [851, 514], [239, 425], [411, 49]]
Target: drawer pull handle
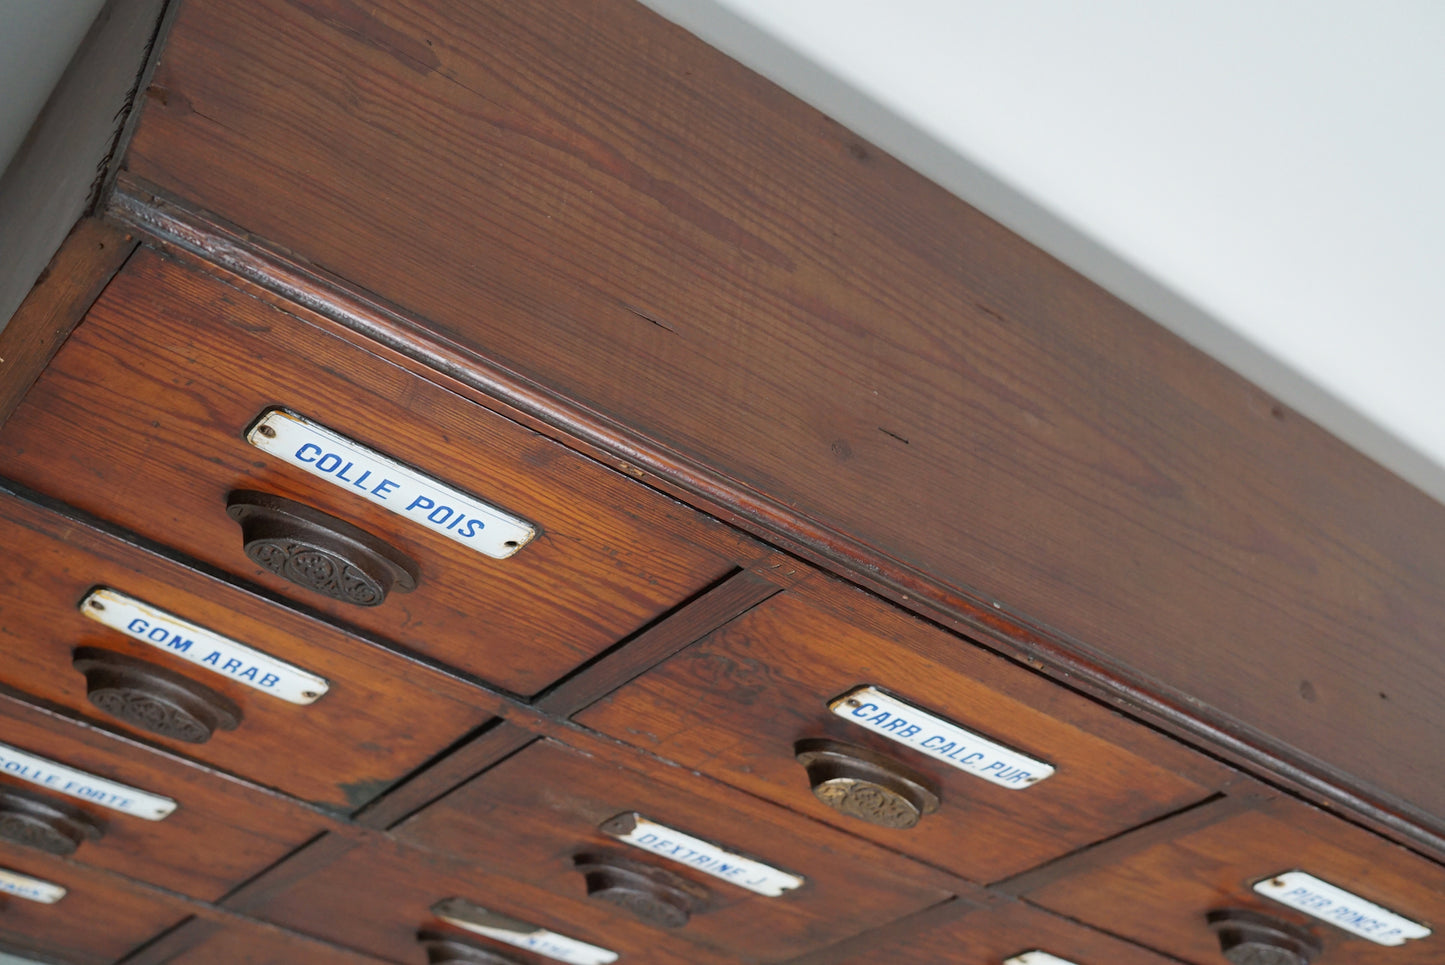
[[153, 698], [1250, 938], [444, 949], [865, 785], [654, 896], [51, 826], [318, 551]]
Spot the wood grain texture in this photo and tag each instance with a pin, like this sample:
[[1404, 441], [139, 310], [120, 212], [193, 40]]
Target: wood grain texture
[[240, 945], [382, 717], [80, 270], [733, 706], [1159, 896], [153, 393], [222, 832], [97, 922], [402, 884], [432, 782], [168, 945], [527, 817], [1002, 931], [721, 603], [606, 206]]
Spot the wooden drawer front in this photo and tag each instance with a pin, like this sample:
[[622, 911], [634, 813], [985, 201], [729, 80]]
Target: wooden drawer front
[[1160, 895], [532, 816], [734, 705], [381, 717], [221, 832], [998, 933], [401, 885], [241, 945], [140, 420], [98, 920]]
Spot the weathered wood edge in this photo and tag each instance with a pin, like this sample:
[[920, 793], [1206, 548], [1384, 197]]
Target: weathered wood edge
[[172, 223], [88, 259]]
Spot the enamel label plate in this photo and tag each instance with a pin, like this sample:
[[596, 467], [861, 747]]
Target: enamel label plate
[[664, 842], [1306, 893], [391, 485], [1037, 958], [207, 650], [31, 889], [885, 714], [474, 918], [87, 787]]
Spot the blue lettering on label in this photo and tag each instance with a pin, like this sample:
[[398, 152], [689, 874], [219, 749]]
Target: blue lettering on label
[[472, 528], [421, 501], [213, 658], [300, 453], [329, 462], [270, 680], [384, 487]]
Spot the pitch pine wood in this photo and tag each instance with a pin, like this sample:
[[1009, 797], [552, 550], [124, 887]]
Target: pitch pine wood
[[605, 205], [1159, 896], [382, 717], [97, 922], [999, 932], [528, 816], [242, 945], [91, 255], [734, 704], [402, 884], [222, 832], [140, 419]]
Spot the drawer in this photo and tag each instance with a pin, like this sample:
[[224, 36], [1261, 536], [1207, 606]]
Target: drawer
[[539, 817], [220, 832], [1004, 934], [141, 420], [239, 944], [1160, 895], [736, 706], [380, 717], [404, 886], [90, 918]]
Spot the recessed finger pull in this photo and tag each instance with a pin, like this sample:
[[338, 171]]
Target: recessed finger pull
[[865, 785], [654, 896], [317, 551], [1250, 938], [51, 826], [154, 698], [444, 949]]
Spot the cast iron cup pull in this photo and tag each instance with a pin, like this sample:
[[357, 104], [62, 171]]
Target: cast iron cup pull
[[1250, 938], [862, 784], [153, 698], [444, 949], [654, 896], [318, 551], [37, 822]]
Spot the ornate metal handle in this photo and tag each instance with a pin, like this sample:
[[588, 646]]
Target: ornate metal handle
[[318, 551], [36, 822], [444, 949], [861, 784], [652, 895], [1250, 938], [153, 698]]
